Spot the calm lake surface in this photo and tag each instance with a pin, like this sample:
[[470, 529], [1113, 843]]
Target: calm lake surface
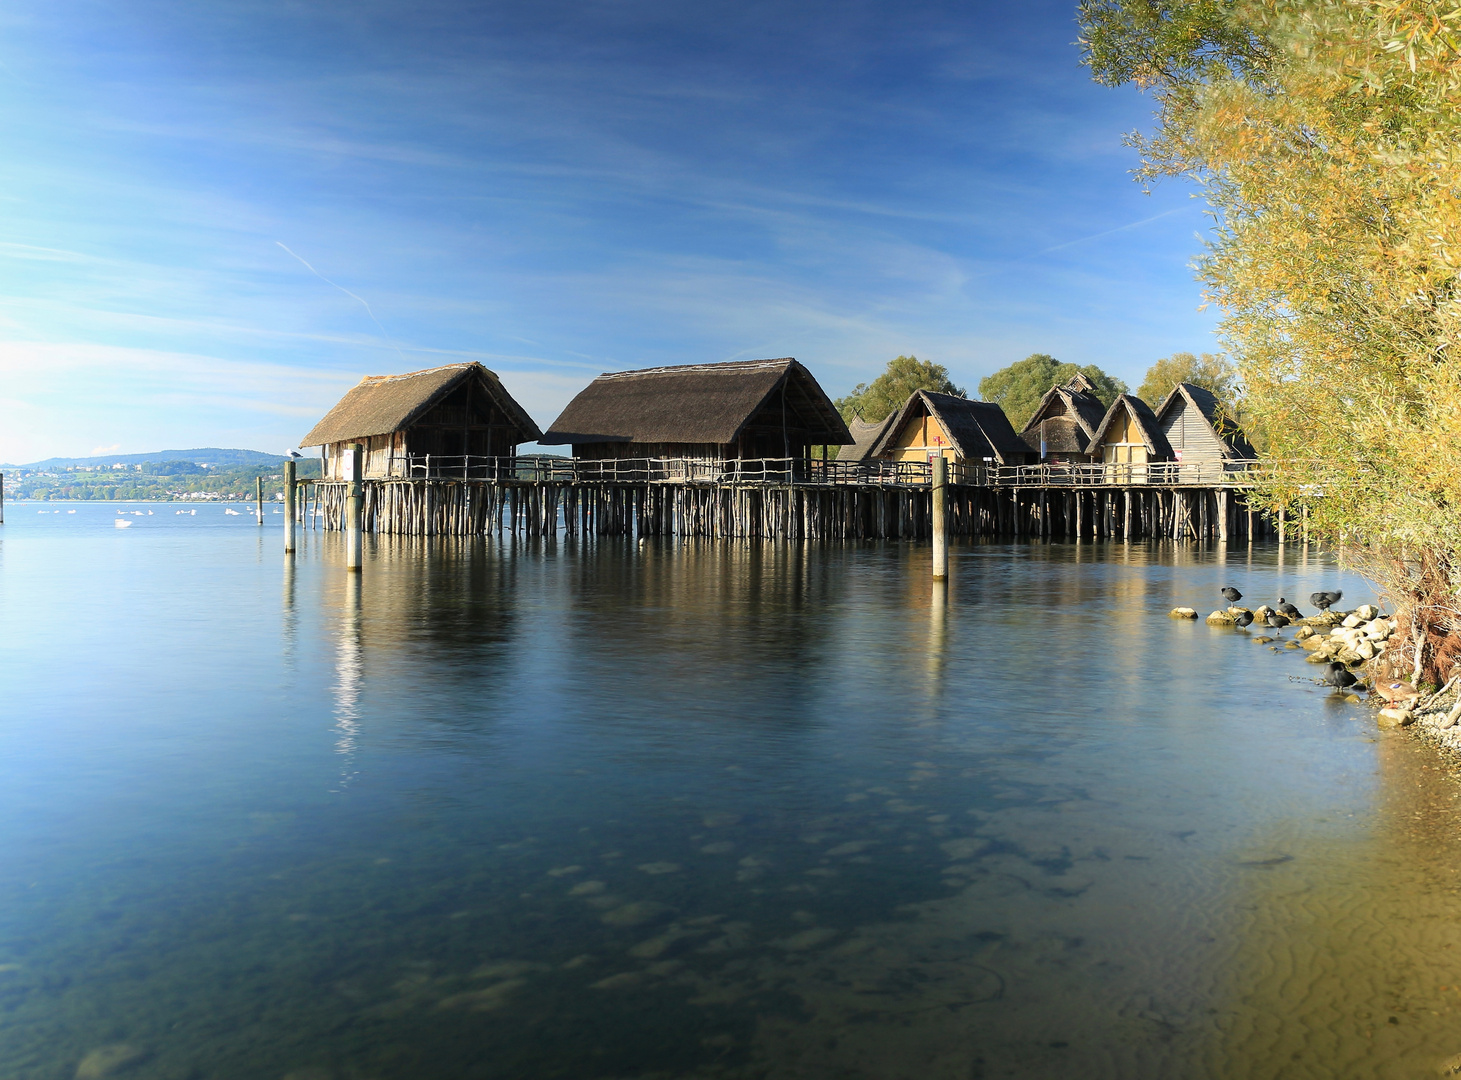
[[694, 809]]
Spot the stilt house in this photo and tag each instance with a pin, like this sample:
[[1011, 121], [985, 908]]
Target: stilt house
[[972, 432], [1192, 420], [1065, 422], [707, 412], [1131, 435], [865, 436], [453, 421]]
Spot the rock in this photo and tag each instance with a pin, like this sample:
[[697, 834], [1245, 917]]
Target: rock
[[1376, 629], [1317, 658], [109, 1061], [1366, 612], [1182, 613], [636, 914], [1390, 717], [1261, 613], [1303, 633], [1366, 650], [1263, 640], [1451, 1066], [1352, 620], [1313, 641], [1220, 618], [1236, 611]]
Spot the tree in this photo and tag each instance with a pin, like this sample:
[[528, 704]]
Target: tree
[[1323, 135], [1210, 371], [875, 400], [1019, 387]]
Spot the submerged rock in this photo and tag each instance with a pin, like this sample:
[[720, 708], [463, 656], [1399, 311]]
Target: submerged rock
[[1182, 613], [1220, 618], [109, 1061]]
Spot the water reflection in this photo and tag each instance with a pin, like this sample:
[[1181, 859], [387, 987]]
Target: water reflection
[[610, 809]]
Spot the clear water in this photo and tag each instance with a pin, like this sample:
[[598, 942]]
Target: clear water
[[567, 809]]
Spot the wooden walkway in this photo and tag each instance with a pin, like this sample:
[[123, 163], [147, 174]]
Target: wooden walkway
[[795, 500]]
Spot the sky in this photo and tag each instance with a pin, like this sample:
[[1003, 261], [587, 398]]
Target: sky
[[217, 215]]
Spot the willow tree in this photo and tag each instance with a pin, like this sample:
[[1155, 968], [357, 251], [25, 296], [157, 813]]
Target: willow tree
[[1325, 136]]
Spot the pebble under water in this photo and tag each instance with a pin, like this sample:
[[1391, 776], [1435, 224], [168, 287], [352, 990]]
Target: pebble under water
[[508, 809]]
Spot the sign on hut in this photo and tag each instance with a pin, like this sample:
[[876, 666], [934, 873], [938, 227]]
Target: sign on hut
[[931, 424], [706, 412], [1065, 422], [451, 421]]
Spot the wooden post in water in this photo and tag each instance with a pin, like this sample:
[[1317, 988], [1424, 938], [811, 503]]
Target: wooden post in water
[[291, 513], [940, 497], [2, 498], [259, 499], [1282, 522], [353, 509]]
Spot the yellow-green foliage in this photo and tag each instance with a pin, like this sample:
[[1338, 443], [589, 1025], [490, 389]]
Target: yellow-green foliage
[[1328, 139]]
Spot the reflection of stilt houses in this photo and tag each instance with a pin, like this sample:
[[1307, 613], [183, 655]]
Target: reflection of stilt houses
[[1130, 435], [1065, 422], [445, 421], [701, 412], [967, 432], [1192, 420]]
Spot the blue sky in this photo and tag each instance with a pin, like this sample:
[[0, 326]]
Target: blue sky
[[555, 189]]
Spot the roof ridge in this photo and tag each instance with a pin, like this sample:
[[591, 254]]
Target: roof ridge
[[423, 371], [743, 365]]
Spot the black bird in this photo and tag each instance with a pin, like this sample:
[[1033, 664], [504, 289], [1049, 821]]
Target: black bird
[[1339, 676], [1232, 595], [1244, 620], [1277, 621], [1289, 609], [1322, 600]]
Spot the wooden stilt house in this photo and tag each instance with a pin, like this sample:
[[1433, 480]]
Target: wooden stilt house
[[966, 432], [452, 421], [1192, 420], [1065, 422], [1131, 444], [701, 412], [865, 436]]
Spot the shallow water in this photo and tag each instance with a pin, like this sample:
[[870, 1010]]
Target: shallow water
[[511, 809]]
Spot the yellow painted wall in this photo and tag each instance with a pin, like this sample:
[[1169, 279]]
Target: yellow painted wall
[[918, 437], [1123, 431]]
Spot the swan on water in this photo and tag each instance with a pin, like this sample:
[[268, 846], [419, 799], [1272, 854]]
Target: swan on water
[[119, 523]]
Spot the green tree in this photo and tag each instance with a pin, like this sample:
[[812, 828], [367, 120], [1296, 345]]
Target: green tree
[[1323, 134], [1019, 387], [1211, 371], [875, 400]]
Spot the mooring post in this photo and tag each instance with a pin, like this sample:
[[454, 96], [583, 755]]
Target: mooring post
[[259, 499], [1282, 522], [354, 497], [1222, 498], [940, 494], [2, 498], [290, 512]]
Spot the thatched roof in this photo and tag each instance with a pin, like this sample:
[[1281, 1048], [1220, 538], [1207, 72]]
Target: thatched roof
[[696, 403], [380, 404], [1211, 410], [977, 429], [1145, 422], [864, 437], [1074, 401]]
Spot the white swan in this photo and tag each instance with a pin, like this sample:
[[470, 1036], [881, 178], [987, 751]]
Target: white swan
[[119, 523]]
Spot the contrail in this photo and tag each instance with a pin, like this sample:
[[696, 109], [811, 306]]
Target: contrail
[[352, 296]]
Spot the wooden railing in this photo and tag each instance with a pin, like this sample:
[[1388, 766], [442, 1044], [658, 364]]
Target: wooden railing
[[784, 471]]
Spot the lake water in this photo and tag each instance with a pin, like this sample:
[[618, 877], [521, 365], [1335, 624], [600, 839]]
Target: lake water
[[507, 809]]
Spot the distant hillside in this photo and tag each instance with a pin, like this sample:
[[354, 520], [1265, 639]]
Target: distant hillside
[[223, 459]]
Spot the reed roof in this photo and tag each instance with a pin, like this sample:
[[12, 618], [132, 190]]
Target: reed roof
[[696, 403], [977, 429], [1072, 401], [1211, 410], [380, 404], [1146, 424], [864, 437]]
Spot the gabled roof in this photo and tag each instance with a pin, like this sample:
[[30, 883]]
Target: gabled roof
[[977, 429], [864, 436], [696, 403], [1145, 422], [1073, 397], [1206, 404], [380, 404]]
